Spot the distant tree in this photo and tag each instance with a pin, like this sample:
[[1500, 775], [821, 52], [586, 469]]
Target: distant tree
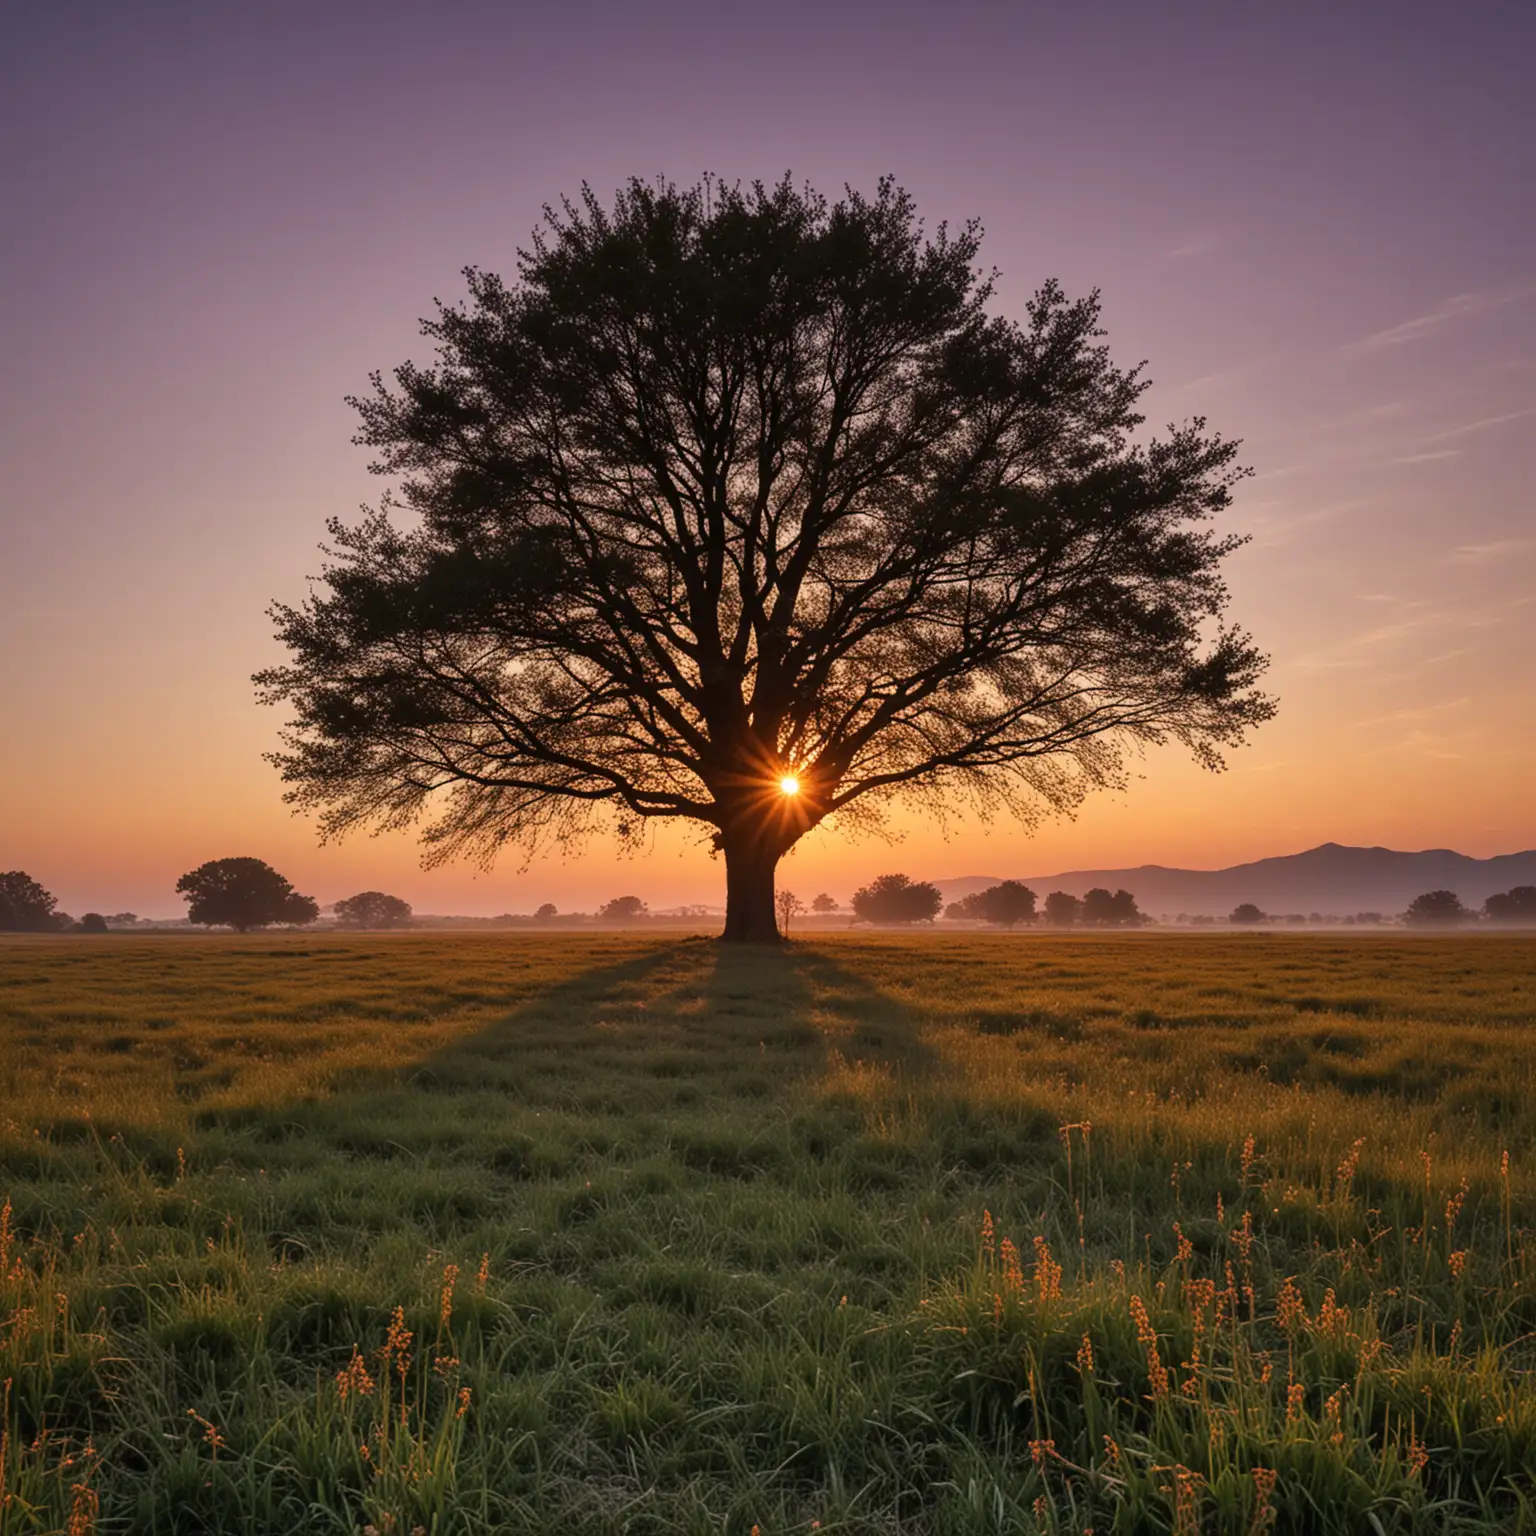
[[624, 909], [373, 909], [1246, 915], [1436, 909], [243, 894], [25, 907], [1062, 909], [547, 913], [1512, 906], [1101, 909], [123, 919], [744, 508], [1372, 919], [958, 911], [1005, 904], [786, 904], [897, 899], [92, 922], [824, 904]]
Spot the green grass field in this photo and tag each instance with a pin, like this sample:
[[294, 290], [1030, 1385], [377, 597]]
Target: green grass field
[[884, 1234]]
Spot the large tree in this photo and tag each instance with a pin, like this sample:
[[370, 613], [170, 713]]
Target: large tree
[[243, 894], [743, 508], [25, 906]]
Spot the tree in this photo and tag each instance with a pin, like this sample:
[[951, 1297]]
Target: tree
[[1513, 906], [92, 922], [547, 913], [1006, 904], [824, 904], [1436, 909], [786, 905], [25, 907], [1246, 915], [896, 899], [742, 508], [373, 909], [1101, 909], [243, 894], [123, 919], [1062, 909], [624, 909]]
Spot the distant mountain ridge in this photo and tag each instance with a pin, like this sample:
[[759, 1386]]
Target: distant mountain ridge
[[1329, 879]]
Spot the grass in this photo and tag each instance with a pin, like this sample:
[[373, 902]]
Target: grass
[[889, 1234]]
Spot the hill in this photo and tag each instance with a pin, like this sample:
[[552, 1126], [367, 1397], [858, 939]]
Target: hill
[[1329, 879]]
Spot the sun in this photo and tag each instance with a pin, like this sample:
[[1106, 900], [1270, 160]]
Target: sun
[[789, 784]]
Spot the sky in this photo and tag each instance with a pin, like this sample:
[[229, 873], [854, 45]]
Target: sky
[[1314, 222]]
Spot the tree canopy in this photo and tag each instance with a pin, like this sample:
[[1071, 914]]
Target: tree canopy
[[25, 907], [1006, 904], [897, 899], [373, 909], [1103, 909], [1062, 909], [1246, 914], [741, 507], [242, 894], [1435, 909], [1513, 906]]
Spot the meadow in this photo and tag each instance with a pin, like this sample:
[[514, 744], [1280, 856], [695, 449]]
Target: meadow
[[634, 1233]]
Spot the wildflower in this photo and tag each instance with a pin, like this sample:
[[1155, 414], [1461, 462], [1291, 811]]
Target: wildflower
[[1418, 1456], [1041, 1451], [1289, 1307], [1042, 1511], [1013, 1270], [397, 1343], [988, 1235], [210, 1433], [1112, 1451], [1453, 1206], [1247, 1160], [445, 1296], [353, 1378], [83, 1509], [1293, 1396], [1186, 1250], [1264, 1480], [1047, 1272], [1186, 1502], [1346, 1170], [483, 1273], [1085, 1356], [1458, 1262], [1157, 1373], [1333, 1411], [463, 1407]]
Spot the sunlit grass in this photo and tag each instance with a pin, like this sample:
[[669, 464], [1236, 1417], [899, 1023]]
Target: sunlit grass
[[887, 1233]]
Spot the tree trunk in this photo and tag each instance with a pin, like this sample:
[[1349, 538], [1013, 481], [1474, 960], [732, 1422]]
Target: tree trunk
[[749, 914]]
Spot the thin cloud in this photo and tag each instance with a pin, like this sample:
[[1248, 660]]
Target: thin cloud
[[1482, 425], [1429, 457], [1494, 549], [1458, 307]]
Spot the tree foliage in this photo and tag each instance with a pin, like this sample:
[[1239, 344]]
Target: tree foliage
[[1005, 904], [242, 894], [1513, 906], [624, 909], [93, 922], [1436, 909], [1062, 909], [897, 899], [824, 904], [1103, 909], [1246, 914], [373, 909], [25, 907], [733, 486]]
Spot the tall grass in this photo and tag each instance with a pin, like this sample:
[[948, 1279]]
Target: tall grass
[[623, 1234]]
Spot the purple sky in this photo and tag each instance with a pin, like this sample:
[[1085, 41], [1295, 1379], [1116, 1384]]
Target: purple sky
[[1317, 223]]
